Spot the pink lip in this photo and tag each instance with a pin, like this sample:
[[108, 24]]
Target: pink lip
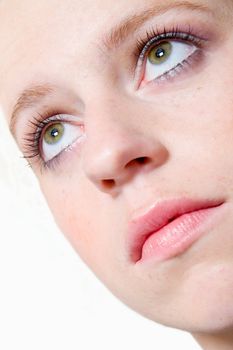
[[168, 228]]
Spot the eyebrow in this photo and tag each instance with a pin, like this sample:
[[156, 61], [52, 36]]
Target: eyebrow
[[29, 98], [35, 94], [128, 25]]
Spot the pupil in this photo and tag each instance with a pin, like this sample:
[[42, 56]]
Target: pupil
[[54, 132], [160, 52]]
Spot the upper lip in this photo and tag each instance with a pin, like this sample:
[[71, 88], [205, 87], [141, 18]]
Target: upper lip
[[158, 215]]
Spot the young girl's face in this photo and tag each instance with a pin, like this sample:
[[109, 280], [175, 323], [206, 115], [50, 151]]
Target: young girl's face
[[126, 104]]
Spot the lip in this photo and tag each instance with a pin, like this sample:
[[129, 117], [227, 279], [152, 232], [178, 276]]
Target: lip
[[161, 217]]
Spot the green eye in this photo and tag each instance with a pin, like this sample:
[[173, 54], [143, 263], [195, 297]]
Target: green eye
[[160, 53], [54, 133]]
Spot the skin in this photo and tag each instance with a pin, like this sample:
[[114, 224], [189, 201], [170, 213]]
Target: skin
[[183, 128]]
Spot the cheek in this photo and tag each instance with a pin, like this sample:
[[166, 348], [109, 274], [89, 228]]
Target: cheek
[[203, 129], [73, 210]]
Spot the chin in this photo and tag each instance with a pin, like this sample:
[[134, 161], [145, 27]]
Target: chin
[[208, 310], [209, 319], [202, 303]]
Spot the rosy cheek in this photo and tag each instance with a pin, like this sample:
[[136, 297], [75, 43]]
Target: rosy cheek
[[81, 230]]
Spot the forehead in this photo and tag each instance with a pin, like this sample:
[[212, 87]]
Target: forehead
[[33, 31], [39, 38]]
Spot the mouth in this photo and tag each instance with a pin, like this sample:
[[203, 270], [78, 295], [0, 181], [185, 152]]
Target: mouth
[[169, 227]]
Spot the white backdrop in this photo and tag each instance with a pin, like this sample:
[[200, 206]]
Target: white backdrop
[[48, 298]]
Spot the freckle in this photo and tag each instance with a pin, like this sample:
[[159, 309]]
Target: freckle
[[222, 269], [150, 276]]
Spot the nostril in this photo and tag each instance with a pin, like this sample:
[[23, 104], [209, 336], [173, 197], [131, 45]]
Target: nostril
[[108, 184], [140, 160]]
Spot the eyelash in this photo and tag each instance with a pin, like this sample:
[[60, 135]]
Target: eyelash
[[32, 141], [154, 35]]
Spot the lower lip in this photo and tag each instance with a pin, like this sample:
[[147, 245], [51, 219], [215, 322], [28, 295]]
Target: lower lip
[[177, 236]]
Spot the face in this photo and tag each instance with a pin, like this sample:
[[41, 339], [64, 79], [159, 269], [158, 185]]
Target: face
[[119, 106]]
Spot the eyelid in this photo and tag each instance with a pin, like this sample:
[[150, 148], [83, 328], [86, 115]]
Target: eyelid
[[156, 35]]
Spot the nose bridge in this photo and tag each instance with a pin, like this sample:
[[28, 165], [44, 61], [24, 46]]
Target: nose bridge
[[108, 137], [109, 122], [116, 145]]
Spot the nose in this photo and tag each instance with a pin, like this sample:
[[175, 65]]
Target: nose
[[115, 153]]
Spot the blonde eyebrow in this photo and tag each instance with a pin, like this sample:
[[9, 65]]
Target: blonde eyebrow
[[33, 95], [29, 98], [128, 25]]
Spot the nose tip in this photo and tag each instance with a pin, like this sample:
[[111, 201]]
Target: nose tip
[[130, 168], [111, 168]]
